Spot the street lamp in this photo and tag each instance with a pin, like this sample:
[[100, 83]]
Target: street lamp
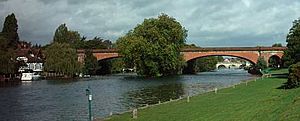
[[89, 94]]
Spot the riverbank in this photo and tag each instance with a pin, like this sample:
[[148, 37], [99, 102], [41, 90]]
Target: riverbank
[[258, 100]]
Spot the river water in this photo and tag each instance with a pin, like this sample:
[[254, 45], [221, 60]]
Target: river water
[[66, 100]]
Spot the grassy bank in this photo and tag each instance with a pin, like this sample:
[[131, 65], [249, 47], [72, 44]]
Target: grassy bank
[[259, 100]]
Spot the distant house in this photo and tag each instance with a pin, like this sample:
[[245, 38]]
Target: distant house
[[29, 58]]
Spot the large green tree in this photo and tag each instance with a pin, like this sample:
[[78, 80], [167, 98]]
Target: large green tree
[[64, 35], [292, 53], [10, 30], [62, 58], [153, 47]]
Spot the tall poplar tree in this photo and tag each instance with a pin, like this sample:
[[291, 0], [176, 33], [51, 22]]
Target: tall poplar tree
[[10, 30], [64, 35], [292, 54]]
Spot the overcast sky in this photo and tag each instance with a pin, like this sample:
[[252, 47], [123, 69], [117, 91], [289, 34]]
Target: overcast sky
[[209, 22]]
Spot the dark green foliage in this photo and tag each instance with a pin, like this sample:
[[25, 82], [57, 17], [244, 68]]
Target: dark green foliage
[[7, 61], [63, 35], [202, 64], [261, 63], [3, 43], [117, 65], [7, 56], [274, 62], [294, 76], [153, 47], [208, 63], [105, 67], [258, 68], [191, 67], [277, 45], [90, 63], [292, 54], [61, 58], [10, 30], [96, 43]]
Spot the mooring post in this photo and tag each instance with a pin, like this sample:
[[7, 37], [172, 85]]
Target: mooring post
[[134, 113], [216, 90]]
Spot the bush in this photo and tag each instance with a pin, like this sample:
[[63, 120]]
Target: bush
[[294, 76]]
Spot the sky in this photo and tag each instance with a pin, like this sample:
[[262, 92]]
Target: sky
[[210, 23]]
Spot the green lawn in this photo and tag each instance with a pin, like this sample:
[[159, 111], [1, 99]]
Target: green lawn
[[280, 71], [259, 101]]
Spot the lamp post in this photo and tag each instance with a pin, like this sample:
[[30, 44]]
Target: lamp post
[[89, 94]]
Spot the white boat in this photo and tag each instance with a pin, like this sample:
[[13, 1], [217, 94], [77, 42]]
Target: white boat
[[29, 76]]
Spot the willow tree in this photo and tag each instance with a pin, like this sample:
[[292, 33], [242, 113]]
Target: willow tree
[[61, 58], [153, 47]]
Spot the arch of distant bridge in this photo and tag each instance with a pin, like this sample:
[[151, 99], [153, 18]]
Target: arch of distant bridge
[[248, 53]]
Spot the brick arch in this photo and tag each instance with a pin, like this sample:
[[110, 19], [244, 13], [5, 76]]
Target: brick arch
[[267, 56], [250, 56]]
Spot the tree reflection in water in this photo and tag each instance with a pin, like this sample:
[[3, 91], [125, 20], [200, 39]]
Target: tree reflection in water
[[153, 95]]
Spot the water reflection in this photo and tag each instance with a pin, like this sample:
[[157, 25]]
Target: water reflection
[[153, 95], [10, 84]]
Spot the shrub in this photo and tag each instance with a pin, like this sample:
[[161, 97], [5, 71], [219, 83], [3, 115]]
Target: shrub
[[294, 76]]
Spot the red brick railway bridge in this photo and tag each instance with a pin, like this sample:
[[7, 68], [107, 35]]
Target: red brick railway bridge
[[248, 53]]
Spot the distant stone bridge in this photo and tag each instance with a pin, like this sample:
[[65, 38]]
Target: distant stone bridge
[[250, 54], [228, 65]]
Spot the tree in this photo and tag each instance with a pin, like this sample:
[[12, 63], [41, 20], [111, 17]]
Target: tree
[[277, 45], [274, 62], [7, 57], [202, 65], [10, 30], [96, 43], [292, 53], [261, 63], [61, 58], [153, 47], [294, 76], [90, 63], [63, 35]]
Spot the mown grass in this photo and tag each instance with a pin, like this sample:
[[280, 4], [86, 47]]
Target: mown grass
[[279, 71], [259, 101]]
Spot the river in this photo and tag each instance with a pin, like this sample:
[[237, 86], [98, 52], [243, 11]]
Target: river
[[66, 100]]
